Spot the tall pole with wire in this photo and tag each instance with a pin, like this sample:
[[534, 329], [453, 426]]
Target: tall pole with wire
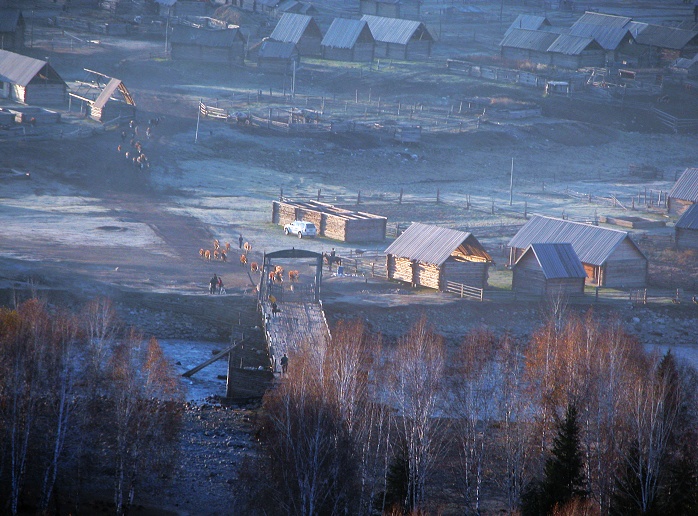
[[511, 184], [198, 118]]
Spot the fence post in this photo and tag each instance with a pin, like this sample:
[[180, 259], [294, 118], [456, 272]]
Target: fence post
[[399, 200], [319, 192], [461, 290], [492, 207], [438, 196], [281, 195], [358, 198], [525, 209]]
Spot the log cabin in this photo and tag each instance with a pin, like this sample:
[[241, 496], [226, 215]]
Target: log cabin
[[609, 256], [686, 229], [684, 193], [549, 269], [30, 81], [429, 256]]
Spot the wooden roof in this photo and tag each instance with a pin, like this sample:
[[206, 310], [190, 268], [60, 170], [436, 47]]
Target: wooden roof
[[607, 29], [344, 33], [21, 70], [593, 244], [686, 187], [526, 39], [292, 27], [396, 30], [689, 219], [434, 244], [528, 21], [557, 260]]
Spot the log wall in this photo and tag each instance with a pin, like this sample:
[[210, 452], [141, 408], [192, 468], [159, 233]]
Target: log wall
[[626, 268], [686, 239], [400, 269], [331, 222], [472, 274], [427, 275], [678, 206]]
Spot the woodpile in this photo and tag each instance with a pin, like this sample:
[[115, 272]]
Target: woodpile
[[332, 222]]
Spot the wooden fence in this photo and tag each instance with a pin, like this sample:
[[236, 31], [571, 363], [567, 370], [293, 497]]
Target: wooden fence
[[676, 124], [465, 290]]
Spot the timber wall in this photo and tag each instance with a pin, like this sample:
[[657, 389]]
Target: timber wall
[[625, 268], [678, 206], [686, 239], [472, 274]]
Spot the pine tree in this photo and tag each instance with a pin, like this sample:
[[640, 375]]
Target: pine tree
[[564, 476]]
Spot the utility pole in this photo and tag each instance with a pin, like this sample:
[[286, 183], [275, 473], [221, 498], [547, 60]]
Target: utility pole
[[198, 117]]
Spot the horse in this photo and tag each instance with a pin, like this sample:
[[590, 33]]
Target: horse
[[227, 247], [329, 259], [201, 253], [216, 244], [224, 256], [254, 267], [243, 259], [293, 276], [207, 255], [247, 247], [216, 254]]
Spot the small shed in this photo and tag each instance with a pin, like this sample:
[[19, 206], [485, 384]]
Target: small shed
[[332, 222], [686, 229], [277, 56], [105, 98], [549, 269], [348, 40], [528, 45], [389, 8], [659, 45], [609, 256], [400, 39], [30, 81], [613, 33], [301, 30], [684, 193], [12, 29], [210, 45], [295, 7], [430, 256], [576, 52]]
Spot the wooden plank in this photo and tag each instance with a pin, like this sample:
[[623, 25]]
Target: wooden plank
[[211, 360]]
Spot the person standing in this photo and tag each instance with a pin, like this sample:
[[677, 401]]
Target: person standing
[[284, 364], [213, 284], [220, 285], [240, 240]]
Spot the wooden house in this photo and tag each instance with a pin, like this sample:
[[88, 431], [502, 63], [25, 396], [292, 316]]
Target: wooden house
[[609, 256], [30, 81], [330, 221], [210, 45], [301, 30], [12, 29], [658, 45], [277, 56], [613, 33], [400, 39], [549, 269], [389, 8], [104, 98], [528, 45], [431, 256], [576, 52], [348, 40], [684, 193], [296, 7], [686, 229]]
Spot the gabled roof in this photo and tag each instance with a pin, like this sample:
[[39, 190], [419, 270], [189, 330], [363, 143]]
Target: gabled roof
[[293, 6], [530, 22], [607, 29], [10, 19], [269, 49], [291, 27], [344, 33], [20, 70], [686, 187], [689, 219], [557, 260], [664, 37], [527, 39], [573, 45], [396, 30], [219, 38], [593, 244], [434, 244]]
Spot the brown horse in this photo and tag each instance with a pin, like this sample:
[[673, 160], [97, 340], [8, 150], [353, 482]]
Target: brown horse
[[207, 255], [254, 267], [216, 244], [247, 247], [243, 259], [293, 276]]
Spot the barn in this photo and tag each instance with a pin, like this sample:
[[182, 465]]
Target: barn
[[576, 52], [684, 193], [658, 45], [30, 81], [609, 256], [528, 45], [529, 22], [301, 30], [400, 39], [686, 229], [389, 8], [430, 256], [277, 56], [348, 40], [12, 28], [332, 222], [210, 45], [549, 269], [104, 98]]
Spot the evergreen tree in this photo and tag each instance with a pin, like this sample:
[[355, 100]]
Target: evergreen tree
[[564, 476]]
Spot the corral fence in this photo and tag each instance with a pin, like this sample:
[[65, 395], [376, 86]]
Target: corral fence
[[676, 124], [465, 290]]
